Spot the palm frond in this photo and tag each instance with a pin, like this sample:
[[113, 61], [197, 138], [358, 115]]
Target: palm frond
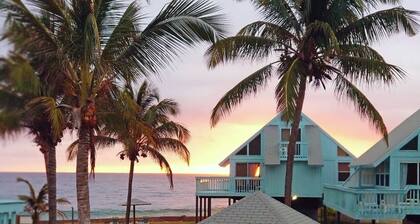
[[164, 164], [239, 47], [345, 89], [380, 24], [250, 85]]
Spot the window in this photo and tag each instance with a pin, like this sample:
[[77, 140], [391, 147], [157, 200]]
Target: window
[[247, 169], [343, 171], [341, 152], [412, 173], [413, 144], [255, 146], [241, 170], [382, 174], [285, 135], [243, 151]]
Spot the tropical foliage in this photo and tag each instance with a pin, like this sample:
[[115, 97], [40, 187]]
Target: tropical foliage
[[36, 203], [314, 42], [142, 123], [86, 47], [28, 105]]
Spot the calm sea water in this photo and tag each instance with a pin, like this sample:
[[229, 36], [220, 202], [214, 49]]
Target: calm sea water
[[108, 192]]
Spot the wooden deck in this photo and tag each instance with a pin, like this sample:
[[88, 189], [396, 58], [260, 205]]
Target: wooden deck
[[227, 186], [373, 203]]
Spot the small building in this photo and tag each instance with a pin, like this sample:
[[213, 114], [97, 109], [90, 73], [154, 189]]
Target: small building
[[9, 209], [258, 208], [259, 164], [385, 184]]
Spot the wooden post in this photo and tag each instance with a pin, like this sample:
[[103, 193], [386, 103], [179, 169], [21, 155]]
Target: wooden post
[[325, 215], [205, 208], [357, 221], [338, 221], [134, 214], [209, 207], [373, 221], [229, 201], [196, 209], [201, 206]]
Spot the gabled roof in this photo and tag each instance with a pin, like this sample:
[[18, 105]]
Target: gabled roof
[[258, 208], [225, 161], [378, 152]]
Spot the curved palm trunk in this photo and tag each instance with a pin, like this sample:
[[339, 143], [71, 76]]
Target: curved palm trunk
[[52, 185], [292, 144], [130, 189], [35, 217], [82, 175]]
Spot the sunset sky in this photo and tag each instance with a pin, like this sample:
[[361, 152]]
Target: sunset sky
[[197, 90]]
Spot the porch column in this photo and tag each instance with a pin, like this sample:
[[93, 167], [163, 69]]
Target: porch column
[[205, 209], [209, 207], [201, 204], [338, 221], [373, 221], [196, 209], [324, 214], [229, 201]]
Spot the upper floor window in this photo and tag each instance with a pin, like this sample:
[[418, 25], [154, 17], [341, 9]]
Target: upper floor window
[[253, 148], [243, 151], [413, 144], [285, 135], [343, 171], [341, 152], [382, 174], [247, 169]]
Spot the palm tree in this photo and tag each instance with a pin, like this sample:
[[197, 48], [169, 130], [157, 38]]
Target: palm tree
[[142, 124], [313, 42], [36, 203], [89, 45], [22, 96]]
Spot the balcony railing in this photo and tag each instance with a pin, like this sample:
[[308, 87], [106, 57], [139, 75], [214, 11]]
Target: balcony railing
[[374, 203], [227, 185], [301, 151]]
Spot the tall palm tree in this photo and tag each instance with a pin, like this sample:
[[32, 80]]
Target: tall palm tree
[[142, 124], [92, 44], [313, 42], [36, 203], [22, 99]]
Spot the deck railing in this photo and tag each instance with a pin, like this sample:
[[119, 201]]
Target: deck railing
[[300, 150], [227, 184], [373, 203]]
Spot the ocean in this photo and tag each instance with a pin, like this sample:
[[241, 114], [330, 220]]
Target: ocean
[[109, 191]]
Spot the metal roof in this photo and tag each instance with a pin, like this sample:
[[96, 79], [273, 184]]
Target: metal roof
[[378, 152]]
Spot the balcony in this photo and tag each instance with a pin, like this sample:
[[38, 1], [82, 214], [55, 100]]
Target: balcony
[[301, 150], [227, 186], [373, 203]]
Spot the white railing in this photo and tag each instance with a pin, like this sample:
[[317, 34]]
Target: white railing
[[212, 183], [247, 184], [374, 202], [300, 150], [228, 184]]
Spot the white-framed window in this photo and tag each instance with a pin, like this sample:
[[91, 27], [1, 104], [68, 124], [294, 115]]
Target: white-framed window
[[252, 148], [343, 171], [247, 170]]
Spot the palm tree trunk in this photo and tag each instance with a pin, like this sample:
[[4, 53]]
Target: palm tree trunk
[[35, 217], [292, 144], [52, 185], [82, 175], [130, 189]]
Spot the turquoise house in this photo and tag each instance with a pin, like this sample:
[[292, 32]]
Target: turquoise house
[[259, 165], [385, 184], [9, 209]]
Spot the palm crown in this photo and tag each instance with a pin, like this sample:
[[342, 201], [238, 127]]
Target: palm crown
[[316, 41]]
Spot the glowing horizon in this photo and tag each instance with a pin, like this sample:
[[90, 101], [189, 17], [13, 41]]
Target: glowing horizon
[[198, 89]]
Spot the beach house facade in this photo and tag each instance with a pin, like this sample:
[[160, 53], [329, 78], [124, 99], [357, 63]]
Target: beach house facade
[[259, 164], [385, 184]]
